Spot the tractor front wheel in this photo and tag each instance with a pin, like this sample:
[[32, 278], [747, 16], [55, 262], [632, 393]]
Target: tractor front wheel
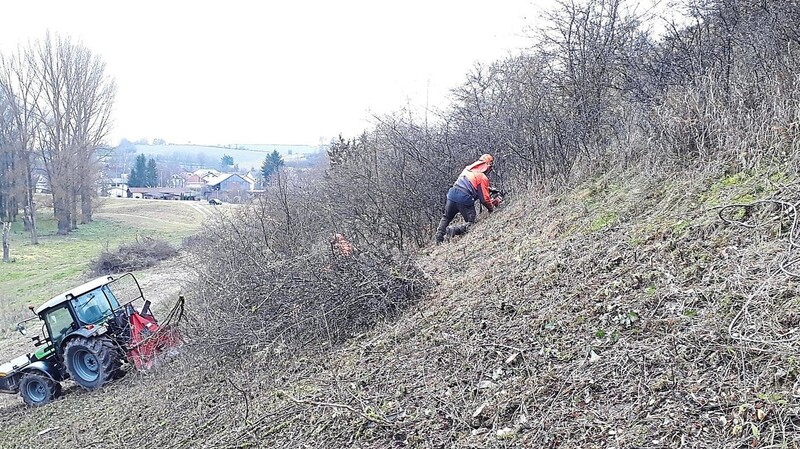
[[91, 362], [38, 390]]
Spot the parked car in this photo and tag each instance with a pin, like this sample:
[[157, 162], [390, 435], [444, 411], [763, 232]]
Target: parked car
[[214, 202]]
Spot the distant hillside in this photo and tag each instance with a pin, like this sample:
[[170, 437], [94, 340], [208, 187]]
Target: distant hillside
[[246, 155]]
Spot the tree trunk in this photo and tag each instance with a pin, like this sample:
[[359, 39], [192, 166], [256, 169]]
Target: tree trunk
[[6, 242], [12, 208], [61, 212], [86, 204], [62, 217], [30, 210], [86, 209], [73, 210], [30, 220]]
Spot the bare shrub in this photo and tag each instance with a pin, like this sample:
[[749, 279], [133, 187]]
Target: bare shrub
[[270, 275], [385, 189], [732, 84], [194, 241], [144, 252], [257, 302]]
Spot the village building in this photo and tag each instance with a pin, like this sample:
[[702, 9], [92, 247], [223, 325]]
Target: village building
[[162, 193], [230, 183], [118, 188], [194, 182]]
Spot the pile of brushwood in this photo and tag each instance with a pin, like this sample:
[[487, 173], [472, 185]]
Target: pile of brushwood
[[142, 253]]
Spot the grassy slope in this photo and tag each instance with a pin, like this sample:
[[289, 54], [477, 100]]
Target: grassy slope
[[620, 314]]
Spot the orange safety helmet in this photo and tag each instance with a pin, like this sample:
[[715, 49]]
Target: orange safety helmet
[[483, 164]]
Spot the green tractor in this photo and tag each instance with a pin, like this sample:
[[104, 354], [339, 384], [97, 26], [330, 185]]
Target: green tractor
[[87, 335]]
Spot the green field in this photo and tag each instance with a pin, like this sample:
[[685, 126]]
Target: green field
[[38, 272]]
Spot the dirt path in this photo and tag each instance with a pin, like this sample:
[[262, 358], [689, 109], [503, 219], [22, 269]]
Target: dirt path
[[200, 209]]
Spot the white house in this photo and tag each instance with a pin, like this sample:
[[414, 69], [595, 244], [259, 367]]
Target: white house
[[118, 188]]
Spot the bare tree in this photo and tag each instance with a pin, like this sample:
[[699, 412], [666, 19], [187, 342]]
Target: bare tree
[[7, 199], [583, 46], [94, 93], [74, 111], [18, 85]]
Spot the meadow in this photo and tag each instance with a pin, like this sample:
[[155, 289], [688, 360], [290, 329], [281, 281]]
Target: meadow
[[39, 272]]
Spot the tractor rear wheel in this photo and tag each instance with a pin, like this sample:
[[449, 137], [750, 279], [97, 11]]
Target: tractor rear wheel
[[91, 362], [38, 390]]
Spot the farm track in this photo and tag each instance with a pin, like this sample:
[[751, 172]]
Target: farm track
[[200, 209]]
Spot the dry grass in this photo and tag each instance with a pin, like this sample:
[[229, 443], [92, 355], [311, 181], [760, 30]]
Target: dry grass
[[172, 218]]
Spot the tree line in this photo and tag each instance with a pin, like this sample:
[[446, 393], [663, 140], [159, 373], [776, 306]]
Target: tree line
[[597, 89], [55, 107]]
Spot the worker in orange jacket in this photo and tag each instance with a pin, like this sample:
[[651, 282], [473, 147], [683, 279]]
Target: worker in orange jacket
[[472, 185]]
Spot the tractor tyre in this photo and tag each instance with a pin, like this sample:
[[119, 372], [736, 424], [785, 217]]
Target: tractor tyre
[[38, 390], [91, 362]]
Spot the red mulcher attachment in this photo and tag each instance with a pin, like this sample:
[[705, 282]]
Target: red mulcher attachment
[[148, 339]]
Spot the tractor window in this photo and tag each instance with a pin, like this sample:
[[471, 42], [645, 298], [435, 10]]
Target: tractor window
[[59, 324], [111, 298], [92, 307]]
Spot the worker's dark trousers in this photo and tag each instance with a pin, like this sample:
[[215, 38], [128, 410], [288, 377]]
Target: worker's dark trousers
[[450, 210]]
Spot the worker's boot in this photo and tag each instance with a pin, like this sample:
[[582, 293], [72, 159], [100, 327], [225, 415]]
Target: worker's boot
[[461, 229], [441, 230]]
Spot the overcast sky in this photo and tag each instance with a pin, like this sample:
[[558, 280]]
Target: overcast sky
[[288, 72]]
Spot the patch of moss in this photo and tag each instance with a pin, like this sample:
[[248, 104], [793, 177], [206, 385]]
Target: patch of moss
[[779, 177], [733, 179], [680, 226], [728, 187], [739, 214], [745, 198], [635, 240], [773, 398], [603, 221]]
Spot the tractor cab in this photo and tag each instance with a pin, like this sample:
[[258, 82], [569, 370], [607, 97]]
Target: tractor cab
[[81, 309]]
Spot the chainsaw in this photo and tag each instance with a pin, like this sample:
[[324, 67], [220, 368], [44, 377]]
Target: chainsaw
[[497, 195]]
